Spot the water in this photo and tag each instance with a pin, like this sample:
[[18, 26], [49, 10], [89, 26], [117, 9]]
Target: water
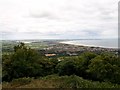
[[106, 43]]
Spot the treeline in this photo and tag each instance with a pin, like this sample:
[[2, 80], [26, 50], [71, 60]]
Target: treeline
[[26, 62]]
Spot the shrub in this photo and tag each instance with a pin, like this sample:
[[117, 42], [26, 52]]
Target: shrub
[[105, 67]]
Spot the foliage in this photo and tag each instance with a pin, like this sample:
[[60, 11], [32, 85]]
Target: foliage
[[55, 81], [66, 67], [25, 62], [18, 82], [74, 81], [75, 65], [105, 67]]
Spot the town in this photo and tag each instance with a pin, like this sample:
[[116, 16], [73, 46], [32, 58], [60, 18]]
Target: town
[[54, 48]]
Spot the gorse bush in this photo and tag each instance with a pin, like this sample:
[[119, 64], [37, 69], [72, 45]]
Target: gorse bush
[[74, 81], [55, 81], [22, 81]]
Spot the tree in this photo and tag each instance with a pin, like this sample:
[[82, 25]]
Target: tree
[[84, 61], [66, 67], [23, 63], [26, 62], [21, 46], [105, 67], [75, 65]]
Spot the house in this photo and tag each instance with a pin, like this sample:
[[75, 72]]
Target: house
[[49, 55]]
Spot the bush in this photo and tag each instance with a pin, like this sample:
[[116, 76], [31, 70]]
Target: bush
[[66, 67], [55, 81], [24, 62], [75, 65], [22, 81], [105, 67], [74, 81]]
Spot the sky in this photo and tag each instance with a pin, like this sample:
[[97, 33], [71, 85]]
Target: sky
[[58, 19]]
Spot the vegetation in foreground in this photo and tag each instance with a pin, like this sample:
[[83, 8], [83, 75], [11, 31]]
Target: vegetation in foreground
[[55, 81], [26, 66]]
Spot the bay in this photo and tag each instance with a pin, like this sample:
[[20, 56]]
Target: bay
[[106, 43]]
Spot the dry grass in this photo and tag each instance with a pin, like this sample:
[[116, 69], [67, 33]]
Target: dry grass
[[33, 83], [53, 81]]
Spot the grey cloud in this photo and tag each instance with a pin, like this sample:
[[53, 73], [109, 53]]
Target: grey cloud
[[47, 15], [62, 18], [41, 15]]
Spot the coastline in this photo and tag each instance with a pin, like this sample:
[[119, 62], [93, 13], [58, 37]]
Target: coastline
[[84, 45]]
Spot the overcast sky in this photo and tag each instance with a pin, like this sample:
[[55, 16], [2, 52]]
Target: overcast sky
[[58, 19]]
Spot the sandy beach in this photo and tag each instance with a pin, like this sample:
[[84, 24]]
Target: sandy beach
[[88, 45]]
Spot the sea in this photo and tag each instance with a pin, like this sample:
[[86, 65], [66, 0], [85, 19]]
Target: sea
[[105, 43]]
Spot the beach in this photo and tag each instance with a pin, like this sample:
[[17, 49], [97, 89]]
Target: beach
[[94, 43]]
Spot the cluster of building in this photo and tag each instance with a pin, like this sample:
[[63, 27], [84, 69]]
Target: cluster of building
[[73, 50]]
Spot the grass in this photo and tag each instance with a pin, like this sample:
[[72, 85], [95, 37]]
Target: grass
[[37, 45], [55, 81]]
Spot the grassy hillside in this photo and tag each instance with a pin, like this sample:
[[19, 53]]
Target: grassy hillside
[[55, 81]]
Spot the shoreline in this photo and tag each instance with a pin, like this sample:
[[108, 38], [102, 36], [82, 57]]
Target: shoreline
[[84, 45]]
